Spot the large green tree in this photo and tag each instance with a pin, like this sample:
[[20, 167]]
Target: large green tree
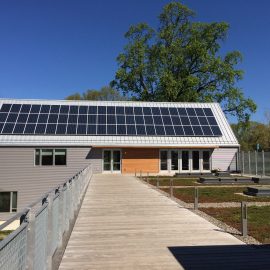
[[251, 134], [180, 61], [106, 93]]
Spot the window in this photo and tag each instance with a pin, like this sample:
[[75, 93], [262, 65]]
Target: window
[[174, 160], [195, 160], [60, 157], [163, 160], [206, 160], [46, 157], [49, 157], [8, 201]]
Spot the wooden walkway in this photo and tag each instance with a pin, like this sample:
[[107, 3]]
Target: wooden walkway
[[124, 224]]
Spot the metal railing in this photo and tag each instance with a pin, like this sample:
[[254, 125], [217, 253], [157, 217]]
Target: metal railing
[[254, 163], [42, 226]]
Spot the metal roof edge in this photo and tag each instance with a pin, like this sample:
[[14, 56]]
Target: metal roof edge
[[101, 101]]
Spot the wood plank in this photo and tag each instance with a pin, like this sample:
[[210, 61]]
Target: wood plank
[[140, 159], [124, 224]]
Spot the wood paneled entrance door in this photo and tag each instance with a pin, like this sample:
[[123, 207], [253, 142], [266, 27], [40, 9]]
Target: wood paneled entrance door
[[111, 161]]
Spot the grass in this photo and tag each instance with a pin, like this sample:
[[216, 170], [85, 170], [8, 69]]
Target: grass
[[165, 181], [258, 220], [215, 195], [3, 234]]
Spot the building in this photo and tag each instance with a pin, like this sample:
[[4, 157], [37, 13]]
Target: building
[[43, 142]]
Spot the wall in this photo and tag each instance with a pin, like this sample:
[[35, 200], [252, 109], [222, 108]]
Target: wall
[[18, 173], [140, 159], [224, 159]]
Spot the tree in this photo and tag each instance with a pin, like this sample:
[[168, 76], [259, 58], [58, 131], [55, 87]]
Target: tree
[[251, 134], [105, 93], [180, 62]]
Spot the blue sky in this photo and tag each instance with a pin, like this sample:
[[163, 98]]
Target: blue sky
[[50, 49]]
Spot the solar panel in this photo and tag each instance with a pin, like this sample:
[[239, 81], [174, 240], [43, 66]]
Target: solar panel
[[107, 120]]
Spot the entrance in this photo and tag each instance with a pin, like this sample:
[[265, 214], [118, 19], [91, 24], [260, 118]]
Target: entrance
[[112, 161]]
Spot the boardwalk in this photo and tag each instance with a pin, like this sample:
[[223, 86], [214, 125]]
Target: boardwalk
[[124, 224]]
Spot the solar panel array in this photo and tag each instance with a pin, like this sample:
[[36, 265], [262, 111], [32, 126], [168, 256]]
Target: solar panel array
[[45, 119]]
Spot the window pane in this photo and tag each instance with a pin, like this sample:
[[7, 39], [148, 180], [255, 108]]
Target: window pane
[[174, 160], [206, 160], [47, 157], [60, 156], [107, 160], [163, 160], [195, 160], [37, 158], [14, 201], [4, 201], [185, 160]]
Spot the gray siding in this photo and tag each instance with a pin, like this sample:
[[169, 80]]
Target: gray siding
[[18, 173], [224, 159]]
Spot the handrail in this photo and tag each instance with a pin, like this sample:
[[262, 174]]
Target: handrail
[[46, 220], [40, 199]]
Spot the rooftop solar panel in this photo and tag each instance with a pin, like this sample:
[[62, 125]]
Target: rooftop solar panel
[[107, 120]]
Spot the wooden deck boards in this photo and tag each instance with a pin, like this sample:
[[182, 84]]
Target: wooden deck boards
[[124, 224]]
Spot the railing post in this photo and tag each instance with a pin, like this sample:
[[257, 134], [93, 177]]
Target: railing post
[[263, 164], [243, 162], [244, 218], [256, 161], [157, 182], [49, 231], [171, 187], [249, 164], [60, 217], [140, 174], [30, 218], [135, 173], [147, 178], [196, 198]]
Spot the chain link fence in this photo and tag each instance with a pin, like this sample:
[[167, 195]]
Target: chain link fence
[[42, 225], [254, 163]]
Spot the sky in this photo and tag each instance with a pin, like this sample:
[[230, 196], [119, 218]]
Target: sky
[[50, 49]]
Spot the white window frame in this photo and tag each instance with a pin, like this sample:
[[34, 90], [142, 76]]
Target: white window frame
[[111, 162], [10, 201], [190, 160], [49, 148]]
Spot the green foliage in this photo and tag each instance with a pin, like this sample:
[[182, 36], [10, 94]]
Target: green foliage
[[251, 134], [179, 62], [106, 93]]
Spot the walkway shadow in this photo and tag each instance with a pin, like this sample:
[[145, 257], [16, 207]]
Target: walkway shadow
[[229, 257]]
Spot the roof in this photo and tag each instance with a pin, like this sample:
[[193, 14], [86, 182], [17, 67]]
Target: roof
[[226, 139]]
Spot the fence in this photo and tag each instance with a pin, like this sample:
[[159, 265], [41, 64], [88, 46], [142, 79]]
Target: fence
[[254, 163], [42, 225]]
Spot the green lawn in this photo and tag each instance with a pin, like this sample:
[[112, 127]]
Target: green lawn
[[258, 220], [3, 234], [215, 195]]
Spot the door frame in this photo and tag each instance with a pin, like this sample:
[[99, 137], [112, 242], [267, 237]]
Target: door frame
[[190, 161], [111, 162]]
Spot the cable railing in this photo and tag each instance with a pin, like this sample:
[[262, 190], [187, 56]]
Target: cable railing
[[43, 225], [254, 163]]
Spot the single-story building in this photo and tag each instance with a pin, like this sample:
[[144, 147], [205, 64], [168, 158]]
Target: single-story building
[[44, 142]]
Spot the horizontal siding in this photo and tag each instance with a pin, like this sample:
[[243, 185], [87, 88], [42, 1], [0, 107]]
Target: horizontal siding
[[224, 159], [18, 173]]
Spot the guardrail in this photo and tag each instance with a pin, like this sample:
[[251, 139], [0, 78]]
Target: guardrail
[[42, 226]]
